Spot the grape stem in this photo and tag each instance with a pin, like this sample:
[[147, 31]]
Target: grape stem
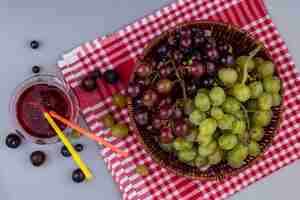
[[247, 138], [182, 83], [245, 69]]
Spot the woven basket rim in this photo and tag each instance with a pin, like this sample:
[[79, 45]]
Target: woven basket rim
[[235, 172]]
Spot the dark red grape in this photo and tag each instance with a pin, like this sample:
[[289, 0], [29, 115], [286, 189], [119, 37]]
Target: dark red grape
[[134, 90], [157, 123], [210, 43], [223, 47], [166, 135], [141, 118], [181, 128], [197, 31], [199, 40], [185, 32], [197, 70], [186, 42], [164, 86], [143, 70], [210, 68], [165, 101], [150, 98], [165, 112], [212, 54], [177, 113], [165, 71]]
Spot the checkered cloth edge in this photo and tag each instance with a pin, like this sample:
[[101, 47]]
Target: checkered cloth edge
[[120, 50]]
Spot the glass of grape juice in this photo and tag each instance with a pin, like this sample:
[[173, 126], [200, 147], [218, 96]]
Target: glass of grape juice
[[42, 91]]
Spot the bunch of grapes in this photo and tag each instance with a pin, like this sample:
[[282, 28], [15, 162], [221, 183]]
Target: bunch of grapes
[[204, 104]]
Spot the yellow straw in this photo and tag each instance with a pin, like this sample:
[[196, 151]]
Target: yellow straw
[[69, 146]]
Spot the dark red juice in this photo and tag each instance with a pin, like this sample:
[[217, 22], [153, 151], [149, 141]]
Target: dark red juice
[[29, 106]]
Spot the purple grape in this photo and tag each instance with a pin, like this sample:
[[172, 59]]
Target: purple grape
[[185, 32], [134, 90], [165, 71], [197, 70], [150, 98], [227, 60], [181, 128], [212, 54], [199, 40], [165, 112], [207, 81], [143, 70], [223, 47], [166, 136], [186, 42], [207, 33], [165, 101], [141, 118], [177, 114], [157, 123], [210, 68]]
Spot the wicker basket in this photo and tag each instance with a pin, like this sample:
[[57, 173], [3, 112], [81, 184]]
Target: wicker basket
[[242, 44]]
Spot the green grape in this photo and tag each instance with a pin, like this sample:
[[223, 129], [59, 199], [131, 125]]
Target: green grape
[[241, 92], [216, 113], [203, 90], [207, 149], [228, 76], [119, 130], [276, 99], [261, 118], [216, 157], [226, 122], [200, 161], [256, 133], [237, 155], [217, 96], [264, 102], [196, 117], [258, 61], [181, 144], [108, 121], [202, 102], [254, 149], [265, 69], [166, 147], [256, 89], [239, 127], [227, 141], [204, 139], [272, 84], [231, 105], [191, 163], [119, 100], [251, 104], [187, 155], [208, 126], [192, 136], [241, 61]]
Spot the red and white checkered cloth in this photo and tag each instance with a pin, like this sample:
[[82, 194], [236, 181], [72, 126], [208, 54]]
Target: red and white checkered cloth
[[120, 50]]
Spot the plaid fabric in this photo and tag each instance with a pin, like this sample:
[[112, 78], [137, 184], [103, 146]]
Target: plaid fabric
[[120, 50]]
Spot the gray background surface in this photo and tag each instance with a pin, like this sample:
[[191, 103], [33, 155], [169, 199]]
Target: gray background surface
[[62, 25]]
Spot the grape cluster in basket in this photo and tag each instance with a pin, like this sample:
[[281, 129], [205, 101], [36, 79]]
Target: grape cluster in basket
[[203, 103]]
